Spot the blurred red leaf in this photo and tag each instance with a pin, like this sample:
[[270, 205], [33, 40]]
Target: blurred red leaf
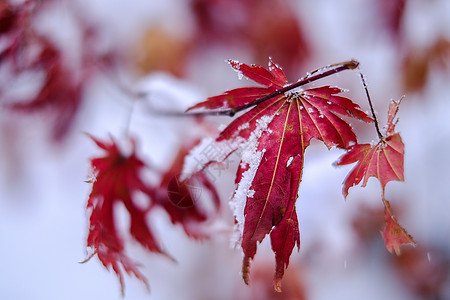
[[183, 199], [391, 13], [267, 28], [26, 50], [418, 64], [117, 179], [61, 92]]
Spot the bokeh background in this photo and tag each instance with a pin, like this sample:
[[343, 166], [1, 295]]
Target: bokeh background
[[101, 56]]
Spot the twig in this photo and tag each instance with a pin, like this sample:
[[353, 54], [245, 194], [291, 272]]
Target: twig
[[377, 127]]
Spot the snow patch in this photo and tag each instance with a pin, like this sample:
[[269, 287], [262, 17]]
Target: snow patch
[[289, 162], [251, 159]]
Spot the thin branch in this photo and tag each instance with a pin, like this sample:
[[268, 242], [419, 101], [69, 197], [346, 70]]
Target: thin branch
[[313, 76], [322, 72], [377, 127]]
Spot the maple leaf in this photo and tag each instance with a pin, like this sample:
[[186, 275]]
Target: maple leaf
[[383, 161], [273, 136], [264, 28], [117, 180]]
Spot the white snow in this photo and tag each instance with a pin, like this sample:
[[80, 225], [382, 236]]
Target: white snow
[[289, 162], [250, 158]]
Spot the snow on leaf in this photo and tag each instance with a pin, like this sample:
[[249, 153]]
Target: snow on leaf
[[116, 180], [275, 133]]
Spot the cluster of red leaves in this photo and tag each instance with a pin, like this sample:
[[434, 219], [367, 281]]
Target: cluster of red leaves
[[383, 161], [391, 14], [28, 50], [286, 124], [118, 179]]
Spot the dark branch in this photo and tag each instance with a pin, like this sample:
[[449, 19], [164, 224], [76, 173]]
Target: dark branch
[[321, 73]]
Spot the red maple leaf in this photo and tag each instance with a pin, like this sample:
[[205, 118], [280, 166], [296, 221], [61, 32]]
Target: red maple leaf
[[273, 136], [383, 161], [117, 179]]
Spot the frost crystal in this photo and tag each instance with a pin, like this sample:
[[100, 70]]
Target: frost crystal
[[289, 162], [310, 110]]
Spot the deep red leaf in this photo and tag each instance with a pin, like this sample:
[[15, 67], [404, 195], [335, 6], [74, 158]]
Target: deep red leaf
[[273, 136]]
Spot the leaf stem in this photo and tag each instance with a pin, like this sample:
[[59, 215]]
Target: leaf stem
[[377, 127]]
